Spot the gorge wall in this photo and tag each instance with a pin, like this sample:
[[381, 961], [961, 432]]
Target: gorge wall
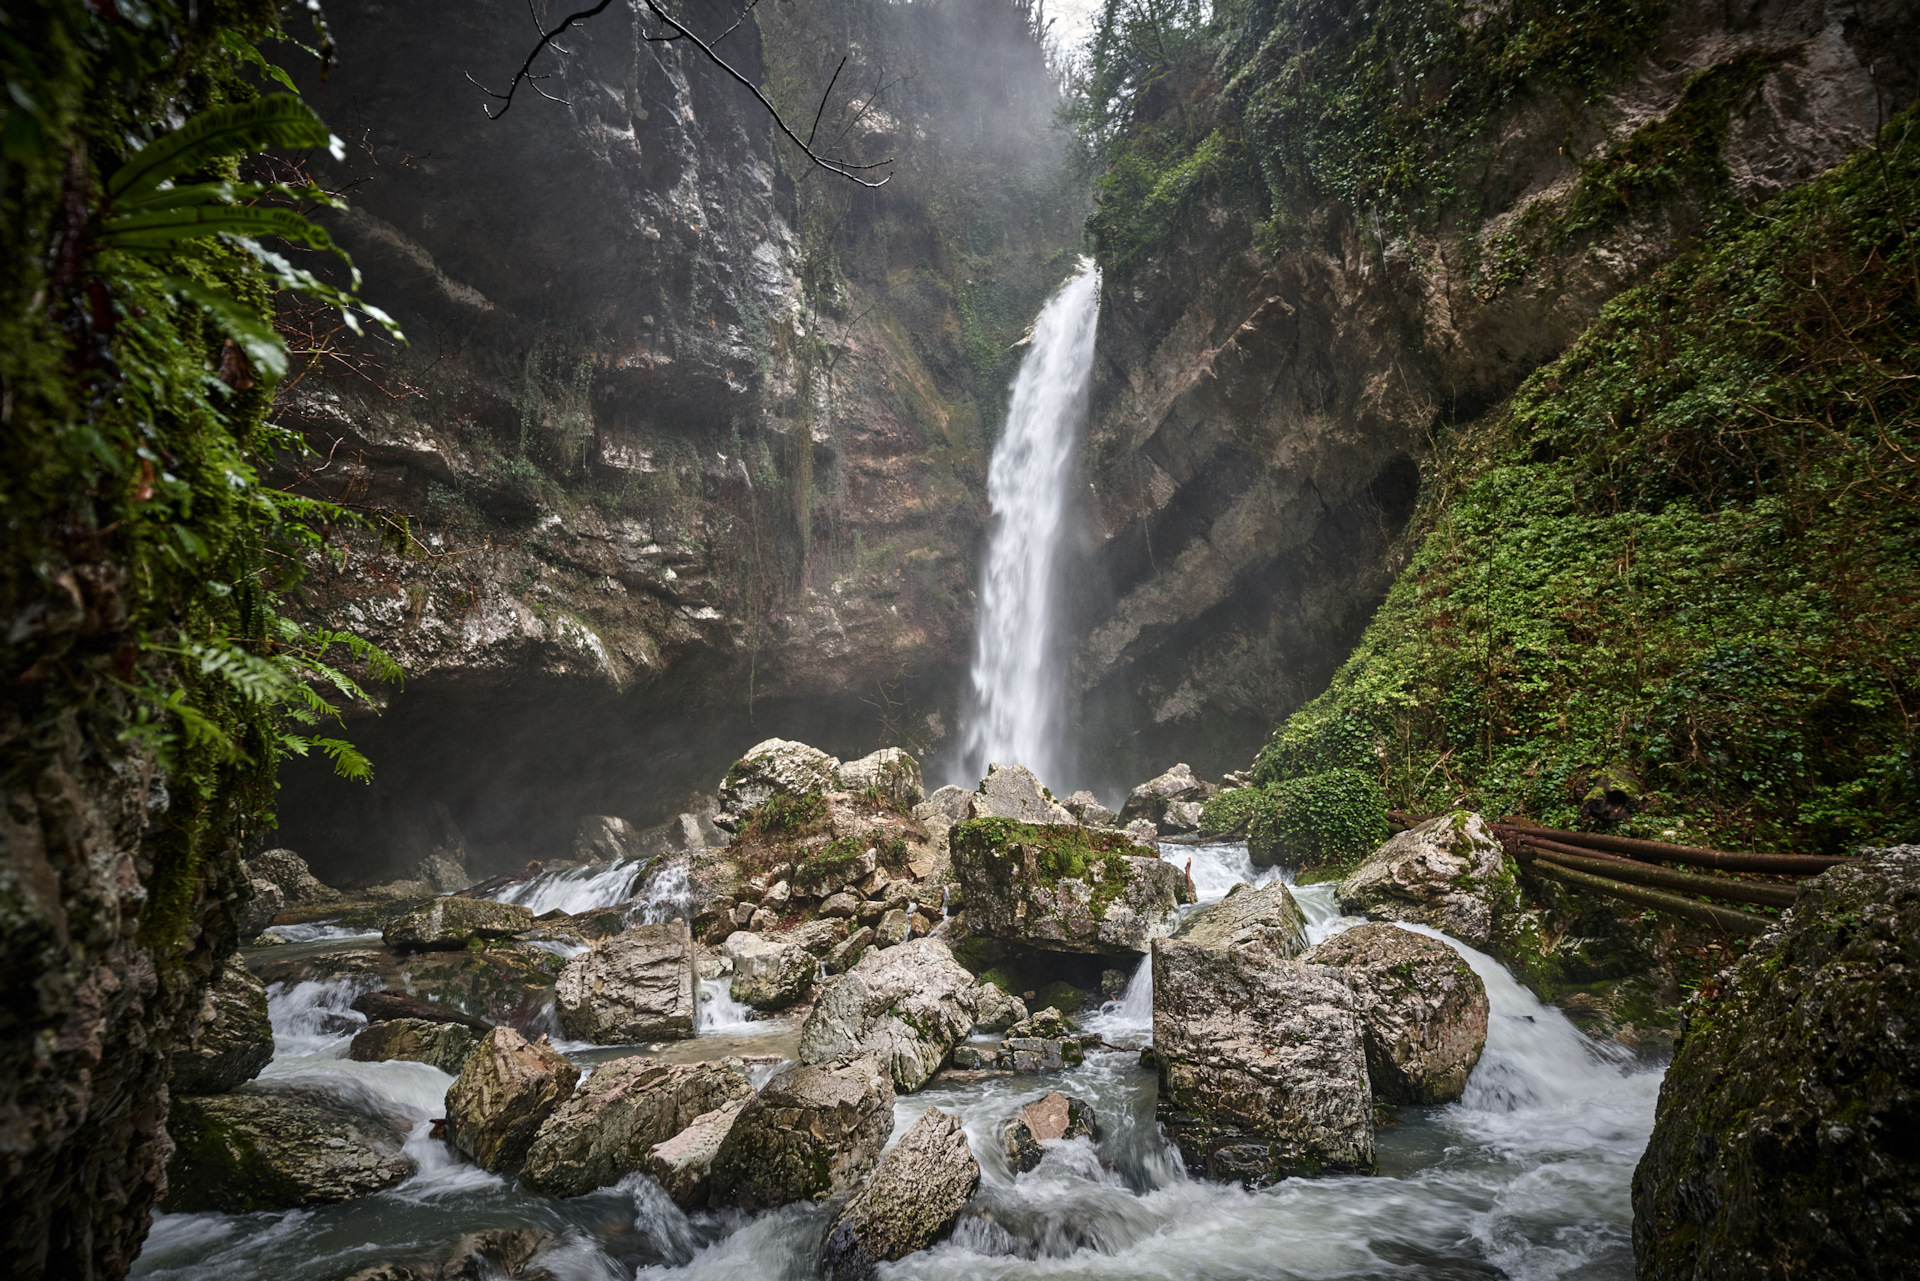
[[689, 445]]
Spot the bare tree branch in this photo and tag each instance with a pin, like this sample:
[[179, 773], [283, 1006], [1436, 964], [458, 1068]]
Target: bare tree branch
[[847, 169]]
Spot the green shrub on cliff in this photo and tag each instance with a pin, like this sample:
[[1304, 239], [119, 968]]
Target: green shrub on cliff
[[1683, 560], [1332, 818]]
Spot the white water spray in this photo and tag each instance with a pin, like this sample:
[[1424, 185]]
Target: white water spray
[[1018, 691]]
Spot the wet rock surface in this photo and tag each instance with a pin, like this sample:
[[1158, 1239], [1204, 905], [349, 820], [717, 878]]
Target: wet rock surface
[[289, 873], [910, 1202], [1056, 1116], [1170, 802], [1063, 888], [1267, 916], [1262, 1061], [1448, 872], [496, 1254], [907, 1005], [683, 1164], [505, 1093], [635, 986], [810, 1133], [1785, 1143], [611, 1124], [770, 972], [232, 1037], [1425, 1010], [243, 1152], [446, 1046], [450, 922], [1012, 791]]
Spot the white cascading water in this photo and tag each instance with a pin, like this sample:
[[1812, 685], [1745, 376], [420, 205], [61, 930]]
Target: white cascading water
[[1016, 713]]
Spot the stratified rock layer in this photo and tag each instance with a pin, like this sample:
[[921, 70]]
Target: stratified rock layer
[[811, 1133], [635, 986], [1786, 1142], [910, 1202], [909, 1005], [1425, 1010]]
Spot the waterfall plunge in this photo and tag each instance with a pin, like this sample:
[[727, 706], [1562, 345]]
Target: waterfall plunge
[[1018, 699]]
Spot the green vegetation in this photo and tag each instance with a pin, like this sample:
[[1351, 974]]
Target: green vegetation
[[1333, 818], [145, 560], [1060, 852], [1682, 564]]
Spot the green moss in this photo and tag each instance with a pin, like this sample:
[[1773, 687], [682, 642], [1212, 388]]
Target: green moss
[[1059, 995]]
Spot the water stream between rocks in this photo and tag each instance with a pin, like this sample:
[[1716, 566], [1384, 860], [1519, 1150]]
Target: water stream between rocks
[[1526, 1177]]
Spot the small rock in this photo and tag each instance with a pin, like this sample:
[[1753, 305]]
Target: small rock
[[299, 887], [892, 929], [446, 1046], [232, 1037], [870, 912], [919, 925], [1040, 1054], [910, 1202], [609, 1126], [994, 1010], [505, 1093], [1142, 831], [762, 920], [840, 905], [1056, 1116], [1013, 792], [449, 923], [1426, 1010], [948, 802], [239, 1153], [889, 773], [683, 1164], [811, 1133], [635, 986], [768, 973], [976, 1056], [778, 896], [909, 1004], [1086, 807], [849, 950], [1047, 1022]]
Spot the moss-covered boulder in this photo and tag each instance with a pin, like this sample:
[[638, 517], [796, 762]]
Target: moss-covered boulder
[[232, 1037], [1786, 1142], [1425, 1010], [1063, 887], [811, 1133], [243, 1152], [775, 767], [1449, 873], [889, 773], [508, 982], [450, 923]]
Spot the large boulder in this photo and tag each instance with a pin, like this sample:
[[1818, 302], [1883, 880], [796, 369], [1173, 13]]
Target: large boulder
[[238, 1153], [769, 972], [811, 1133], [910, 1202], [909, 1005], [889, 773], [609, 1126], [449, 923], [505, 1093], [446, 1046], [1056, 1116], [287, 871], [1448, 872], [1263, 1065], [1267, 915], [1063, 887], [1171, 802], [232, 1037], [775, 767], [1012, 791], [1785, 1141], [635, 986], [683, 1164], [603, 838], [1426, 1010]]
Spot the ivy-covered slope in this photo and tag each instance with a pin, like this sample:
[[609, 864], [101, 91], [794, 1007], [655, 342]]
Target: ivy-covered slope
[[1674, 582]]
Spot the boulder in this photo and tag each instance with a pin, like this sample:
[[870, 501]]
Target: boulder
[[774, 767], [1426, 1010], [231, 1039], [1262, 1061], [1142, 832], [849, 950], [1057, 1116], [443, 872], [504, 1095], [603, 838], [382, 1006], [811, 1133], [1064, 887], [610, 1124], [1784, 1144], [995, 1010], [1047, 1022], [635, 986], [261, 908], [910, 1202], [841, 905], [892, 929], [1086, 807], [1267, 915], [505, 982], [1448, 872], [825, 873], [949, 803], [889, 772], [446, 1046], [1011, 791], [1170, 802], [683, 1164], [908, 1005], [449, 923], [298, 886], [769, 972], [237, 1153], [1039, 1054]]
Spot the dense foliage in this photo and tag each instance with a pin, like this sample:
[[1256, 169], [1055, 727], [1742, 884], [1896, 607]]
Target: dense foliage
[[137, 365], [1682, 564]]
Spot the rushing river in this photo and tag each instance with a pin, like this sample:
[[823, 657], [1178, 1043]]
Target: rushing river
[[1526, 1177]]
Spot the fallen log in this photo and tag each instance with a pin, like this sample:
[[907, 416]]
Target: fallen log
[[1666, 878], [1727, 918], [1694, 855], [1575, 851]]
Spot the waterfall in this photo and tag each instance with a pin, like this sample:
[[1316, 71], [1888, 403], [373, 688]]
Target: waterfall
[[1018, 674]]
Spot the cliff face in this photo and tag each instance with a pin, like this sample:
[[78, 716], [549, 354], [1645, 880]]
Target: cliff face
[[689, 446], [1268, 388]]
